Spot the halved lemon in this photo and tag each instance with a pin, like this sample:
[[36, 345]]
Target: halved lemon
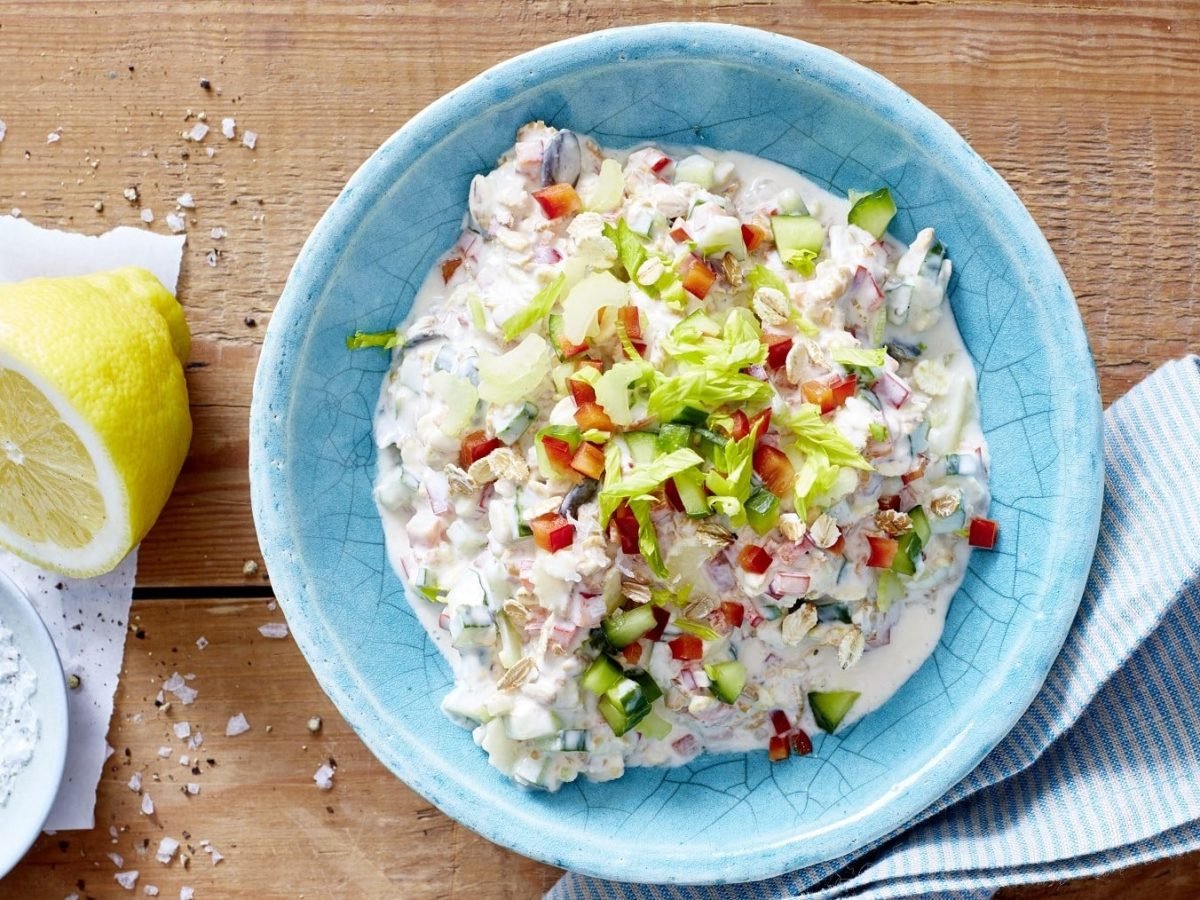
[[94, 422]]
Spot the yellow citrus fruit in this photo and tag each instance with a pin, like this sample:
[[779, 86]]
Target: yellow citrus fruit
[[94, 422]]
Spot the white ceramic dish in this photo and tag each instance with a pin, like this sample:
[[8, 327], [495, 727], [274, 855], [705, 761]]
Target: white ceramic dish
[[21, 819]]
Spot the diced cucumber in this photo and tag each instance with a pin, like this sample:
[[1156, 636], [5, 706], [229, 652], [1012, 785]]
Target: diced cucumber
[[920, 524], [572, 740], [501, 750], [446, 359], [830, 707], [931, 266], [947, 415], [690, 487], [642, 445], [956, 521], [728, 678], [689, 415], [650, 688], [530, 772], [710, 445], [601, 675], [673, 437], [509, 650], [920, 437], [465, 706], [529, 720], [472, 626], [697, 169], [654, 726], [790, 202], [966, 464], [523, 528], [762, 510], [518, 424], [624, 705], [624, 627], [889, 590], [426, 584], [905, 562], [674, 294], [873, 212], [716, 235], [798, 239]]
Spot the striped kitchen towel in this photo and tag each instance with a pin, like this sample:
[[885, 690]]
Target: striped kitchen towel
[[1103, 770]]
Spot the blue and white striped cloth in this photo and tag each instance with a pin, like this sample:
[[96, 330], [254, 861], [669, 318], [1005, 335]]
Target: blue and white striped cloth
[[1103, 770]]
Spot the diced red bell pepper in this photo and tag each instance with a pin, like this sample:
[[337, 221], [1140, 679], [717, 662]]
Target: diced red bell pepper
[[558, 452], [679, 232], [752, 236], [838, 547], [800, 742], [883, 551], [592, 415], [661, 617], [892, 502], [673, 497], [686, 647], [568, 350], [450, 266], [761, 422], [778, 749], [581, 391], [779, 721], [918, 472], [829, 395], [631, 318], [589, 363], [777, 353], [558, 200], [552, 532], [843, 389], [741, 425], [983, 533], [754, 559], [632, 653], [775, 469], [698, 277], [475, 446], [638, 346], [626, 524], [660, 163], [588, 460], [734, 613]]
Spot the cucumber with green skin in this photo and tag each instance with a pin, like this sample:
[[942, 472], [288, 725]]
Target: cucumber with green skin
[[728, 678], [690, 487], [873, 212], [762, 510], [622, 628], [642, 445], [830, 707]]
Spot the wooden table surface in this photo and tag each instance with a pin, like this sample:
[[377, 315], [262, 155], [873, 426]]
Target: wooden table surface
[[1090, 109]]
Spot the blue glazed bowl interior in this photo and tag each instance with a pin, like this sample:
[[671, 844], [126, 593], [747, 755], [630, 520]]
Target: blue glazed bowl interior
[[722, 818]]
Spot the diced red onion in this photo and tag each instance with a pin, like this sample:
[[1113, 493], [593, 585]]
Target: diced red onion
[[758, 372], [891, 389], [444, 621], [720, 573], [687, 679], [563, 634], [486, 494], [790, 583], [546, 256], [866, 289], [437, 489], [686, 745]]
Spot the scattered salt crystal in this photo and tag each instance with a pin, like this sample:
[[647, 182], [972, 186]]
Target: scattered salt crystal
[[195, 741], [147, 805], [217, 233], [271, 605], [130, 194], [210, 152], [15, 212], [71, 897], [177, 686], [113, 833], [193, 788], [201, 642], [135, 782], [3, 129], [211, 258], [160, 699], [186, 201], [150, 890], [211, 851], [273, 630], [127, 879], [54, 137], [147, 215], [187, 893], [182, 730], [165, 752], [236, 725], [324, 777], [166, 850], [249, 139], [185, 760], [118, 860], [175, 223], [198, 132], [227, 127], [190, 676]]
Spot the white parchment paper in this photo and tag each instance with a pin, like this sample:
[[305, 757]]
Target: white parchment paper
[[87, 617]]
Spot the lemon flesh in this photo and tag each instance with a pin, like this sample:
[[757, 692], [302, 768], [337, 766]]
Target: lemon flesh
[[94, 422]]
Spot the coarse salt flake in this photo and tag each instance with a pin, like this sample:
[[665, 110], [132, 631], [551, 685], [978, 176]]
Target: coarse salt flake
[[117, 859], [147, 805], [198, 132], [54, 137], [3, 129], [130, 194], [201, 642], [273, 630], [193, 788], [249, 139], [147, 215], [227, 128], [236, 725], [127, 879], [135, 782], [165, 752], [185, 760], [210, 152], [195, 741], [166, 850], [177, 686], [182, 730], [211, 258], [324, 776], [176, 223], [186, 201], [150, 890], [187, 893], [217, 233]]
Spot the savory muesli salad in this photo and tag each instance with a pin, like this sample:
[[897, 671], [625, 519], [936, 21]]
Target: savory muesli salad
[[677, 452]]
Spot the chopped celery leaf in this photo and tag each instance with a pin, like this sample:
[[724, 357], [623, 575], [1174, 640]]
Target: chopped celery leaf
[[539, 307], [385, 340]]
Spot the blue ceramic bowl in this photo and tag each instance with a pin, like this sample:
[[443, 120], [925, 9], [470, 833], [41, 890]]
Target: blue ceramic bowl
[[722, 818]]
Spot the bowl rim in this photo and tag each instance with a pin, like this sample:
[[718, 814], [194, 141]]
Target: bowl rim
[[289, 327], [53, 692]]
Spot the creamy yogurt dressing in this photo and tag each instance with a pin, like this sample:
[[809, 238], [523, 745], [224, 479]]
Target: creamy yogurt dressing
[[500, 602], [18, 719]]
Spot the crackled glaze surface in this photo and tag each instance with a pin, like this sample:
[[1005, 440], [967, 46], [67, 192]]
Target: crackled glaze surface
[[721, 818]]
